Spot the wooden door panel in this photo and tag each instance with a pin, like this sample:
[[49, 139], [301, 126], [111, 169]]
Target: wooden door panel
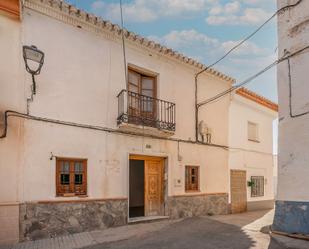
[[238, 191], [153, 187]]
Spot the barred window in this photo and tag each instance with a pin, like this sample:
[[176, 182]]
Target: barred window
[[257, 188], [192, 178], [71, 177]]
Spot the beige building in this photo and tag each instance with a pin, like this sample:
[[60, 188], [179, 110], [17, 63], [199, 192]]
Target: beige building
[[89, 149], [251, 158]]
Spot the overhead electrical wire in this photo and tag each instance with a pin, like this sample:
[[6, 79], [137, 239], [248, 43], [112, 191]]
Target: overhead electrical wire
[[286, 57], [123, 42], [10, 113], [27, 116], [249, 36], [197, 106], [292, 115]]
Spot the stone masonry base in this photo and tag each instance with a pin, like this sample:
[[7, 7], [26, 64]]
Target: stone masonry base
[[197, 205], [51, 219], [38, 220], [291, 217]]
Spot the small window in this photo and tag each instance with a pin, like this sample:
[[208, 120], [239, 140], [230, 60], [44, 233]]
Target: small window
[[257, 188], [192, 178], [253, 132], [71, 177]]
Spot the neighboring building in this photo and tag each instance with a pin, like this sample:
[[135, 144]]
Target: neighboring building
[[251, 151], [83, 153], [292, 205]]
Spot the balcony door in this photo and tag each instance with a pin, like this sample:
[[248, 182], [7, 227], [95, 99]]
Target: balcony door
[[141, 98]]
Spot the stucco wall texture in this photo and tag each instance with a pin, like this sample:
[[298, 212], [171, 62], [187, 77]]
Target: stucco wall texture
[[81, 77], [257, 159], [293, 196]]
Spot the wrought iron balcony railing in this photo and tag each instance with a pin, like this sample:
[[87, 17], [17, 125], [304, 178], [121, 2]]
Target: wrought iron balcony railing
[[138, 109]]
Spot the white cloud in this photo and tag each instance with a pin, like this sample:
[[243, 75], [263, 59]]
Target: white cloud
[[247, 48], [228, 8], [236, 12], [231, 8], [186, 38], [150, 10], [250, 16], [196, 44], [256, 2], [244, 61]]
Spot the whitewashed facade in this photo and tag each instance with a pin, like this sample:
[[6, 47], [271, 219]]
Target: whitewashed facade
[[292, 203], [256, 156], [74, 115]]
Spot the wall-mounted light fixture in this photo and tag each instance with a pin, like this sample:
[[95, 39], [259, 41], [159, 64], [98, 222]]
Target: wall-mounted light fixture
[[34, 59]]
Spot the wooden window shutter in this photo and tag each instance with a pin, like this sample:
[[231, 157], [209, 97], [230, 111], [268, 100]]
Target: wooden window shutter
[[192, 178], [253, 131], [71, 177]]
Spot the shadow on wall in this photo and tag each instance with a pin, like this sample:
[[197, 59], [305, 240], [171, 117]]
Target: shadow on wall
[[197, 233]]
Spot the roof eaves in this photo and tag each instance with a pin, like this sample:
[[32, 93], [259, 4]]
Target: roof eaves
[[65, 8]]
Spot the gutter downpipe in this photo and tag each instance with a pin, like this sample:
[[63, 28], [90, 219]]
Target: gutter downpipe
[[196, 104]]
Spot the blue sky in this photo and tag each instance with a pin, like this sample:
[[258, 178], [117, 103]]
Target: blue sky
[[205, 30]]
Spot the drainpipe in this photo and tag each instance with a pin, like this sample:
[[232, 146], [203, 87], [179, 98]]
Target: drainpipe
[[196, 104]]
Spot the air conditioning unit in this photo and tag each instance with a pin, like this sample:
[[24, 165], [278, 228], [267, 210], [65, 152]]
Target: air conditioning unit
[[205, 132]]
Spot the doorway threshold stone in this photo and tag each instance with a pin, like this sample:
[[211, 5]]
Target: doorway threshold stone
[[145, 219]]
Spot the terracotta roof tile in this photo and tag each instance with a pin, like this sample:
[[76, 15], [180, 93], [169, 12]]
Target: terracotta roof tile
[[246, 93], [60, 6]]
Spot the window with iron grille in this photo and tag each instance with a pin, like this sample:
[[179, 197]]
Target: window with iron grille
[[192, 178], [257, 188], [71, 177]]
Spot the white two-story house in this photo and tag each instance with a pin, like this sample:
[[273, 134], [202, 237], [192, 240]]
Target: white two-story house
[[101, 141], [251, 157]]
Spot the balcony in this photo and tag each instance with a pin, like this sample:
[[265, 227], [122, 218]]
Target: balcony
[[141, 113]]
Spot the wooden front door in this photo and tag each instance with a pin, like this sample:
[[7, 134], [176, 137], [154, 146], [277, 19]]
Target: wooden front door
[[154, 187], [238, 191]]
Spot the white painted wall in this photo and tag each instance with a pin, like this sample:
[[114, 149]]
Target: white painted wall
[[293, 155], [79, 82], [11, 97], [257, 158]]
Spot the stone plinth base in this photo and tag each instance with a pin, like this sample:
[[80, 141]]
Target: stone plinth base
[[197, 205], [291, 217], [50, 219]]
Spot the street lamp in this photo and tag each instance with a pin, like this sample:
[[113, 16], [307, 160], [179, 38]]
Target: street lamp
[[34, 59]]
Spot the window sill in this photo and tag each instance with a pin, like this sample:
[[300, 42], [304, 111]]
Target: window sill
[[253, 140], [192, 191], [71, 195]]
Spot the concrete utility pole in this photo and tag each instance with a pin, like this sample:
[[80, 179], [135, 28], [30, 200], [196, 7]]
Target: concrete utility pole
[[292, 205]]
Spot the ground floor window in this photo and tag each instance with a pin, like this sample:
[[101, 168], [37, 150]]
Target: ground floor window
[[71, 177], [257, 186], [192, 178]]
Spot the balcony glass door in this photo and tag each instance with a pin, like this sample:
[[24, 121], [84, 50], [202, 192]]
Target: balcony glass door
[[141, 103]]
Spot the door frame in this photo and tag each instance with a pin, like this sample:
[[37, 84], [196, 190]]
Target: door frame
[[140, 156]]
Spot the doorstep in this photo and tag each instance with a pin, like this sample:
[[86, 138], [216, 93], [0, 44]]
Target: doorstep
[[145, 219]]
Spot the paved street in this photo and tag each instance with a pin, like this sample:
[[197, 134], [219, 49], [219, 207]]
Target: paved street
[[220, 232], [240, 231]]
